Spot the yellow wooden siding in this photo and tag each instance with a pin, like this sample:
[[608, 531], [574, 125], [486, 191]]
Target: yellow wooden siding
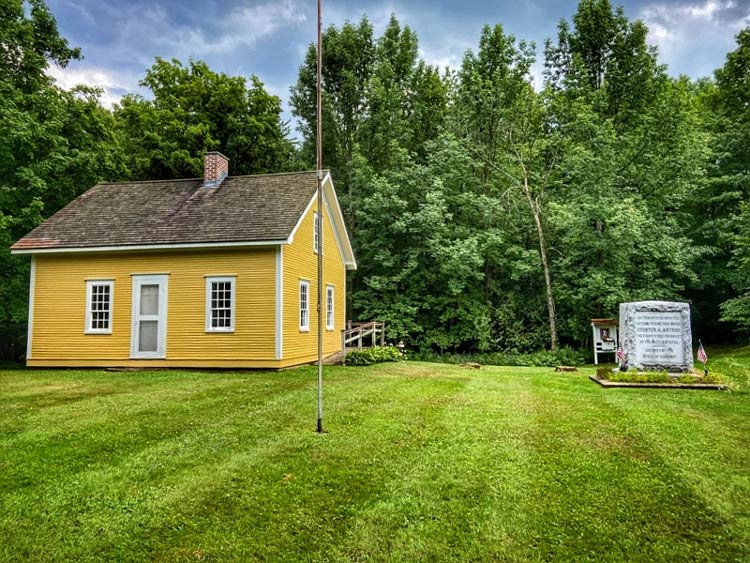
[[60, 304], [300, 262]]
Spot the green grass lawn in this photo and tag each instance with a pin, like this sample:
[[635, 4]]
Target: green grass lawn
[[422, 462]]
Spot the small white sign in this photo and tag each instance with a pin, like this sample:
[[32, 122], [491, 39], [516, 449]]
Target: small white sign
[[605, 338]]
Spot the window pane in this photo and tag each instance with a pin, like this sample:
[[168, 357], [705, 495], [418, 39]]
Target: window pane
[[303, 305], [329, 307], [316, 223], [150, 299], [148, 336], [99, 306], [220, 308]]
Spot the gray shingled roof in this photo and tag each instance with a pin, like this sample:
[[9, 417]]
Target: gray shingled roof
[[242, 209]]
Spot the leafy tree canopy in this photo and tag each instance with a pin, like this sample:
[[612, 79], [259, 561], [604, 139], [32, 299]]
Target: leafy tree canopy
[[194, 110]]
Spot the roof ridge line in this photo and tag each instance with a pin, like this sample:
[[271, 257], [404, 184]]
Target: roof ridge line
[[147, 181], [276, 174], [201, 179]]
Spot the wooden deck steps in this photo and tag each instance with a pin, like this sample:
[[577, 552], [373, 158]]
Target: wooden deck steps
[[364, 335]]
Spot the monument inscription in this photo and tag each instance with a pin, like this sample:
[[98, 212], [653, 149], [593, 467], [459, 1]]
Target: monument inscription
[[660, 337], [656, 335]]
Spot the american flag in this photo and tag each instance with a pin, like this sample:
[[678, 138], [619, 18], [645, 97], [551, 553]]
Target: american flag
[[620, 354], [702, 356]]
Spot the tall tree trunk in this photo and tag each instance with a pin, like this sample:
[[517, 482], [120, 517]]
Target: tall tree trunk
[[534, 207]]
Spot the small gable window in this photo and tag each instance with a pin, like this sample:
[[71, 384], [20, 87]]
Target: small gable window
[[99, 298], [329, 307], [304, 305], [220, 292], [316, 228]]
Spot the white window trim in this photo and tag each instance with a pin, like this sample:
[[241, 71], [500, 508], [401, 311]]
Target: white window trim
[[89, 284], [316, 230], [214, 279], [305, 283], [330, 289], [279, 302], [32, 284]]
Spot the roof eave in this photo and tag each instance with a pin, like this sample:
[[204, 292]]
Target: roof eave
[[133, 247]]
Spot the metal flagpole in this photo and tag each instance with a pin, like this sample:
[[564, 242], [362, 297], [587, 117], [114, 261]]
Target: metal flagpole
[[319, 226]]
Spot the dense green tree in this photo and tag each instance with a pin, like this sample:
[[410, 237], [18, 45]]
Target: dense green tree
[[29, 41], [426, 108], [604, 58], [54, 145], [737, 309], [620, 231], [386, 128], [348, 55], [501, 117], [635, 156], [195, 109], [377, 98], [423, 273], [728, 196], [556, 204]]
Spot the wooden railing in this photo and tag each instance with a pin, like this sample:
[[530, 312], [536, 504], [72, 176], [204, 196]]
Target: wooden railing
[[356, 333]]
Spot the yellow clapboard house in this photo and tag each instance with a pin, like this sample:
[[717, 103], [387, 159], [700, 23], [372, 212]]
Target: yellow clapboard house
[[219, 272]]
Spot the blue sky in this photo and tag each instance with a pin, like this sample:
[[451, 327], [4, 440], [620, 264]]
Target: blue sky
[[269, 37]]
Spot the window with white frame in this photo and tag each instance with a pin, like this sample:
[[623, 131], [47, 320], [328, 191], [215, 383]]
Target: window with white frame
[[220, 292], [329, 307], [316, 229], [304, 305], [99, 299]]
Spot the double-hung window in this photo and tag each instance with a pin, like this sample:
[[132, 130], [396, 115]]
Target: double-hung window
[[304, 305], [99, 300], [329, 307], [220, 299]]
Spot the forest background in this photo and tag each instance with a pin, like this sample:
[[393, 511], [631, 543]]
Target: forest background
[[486, 214]]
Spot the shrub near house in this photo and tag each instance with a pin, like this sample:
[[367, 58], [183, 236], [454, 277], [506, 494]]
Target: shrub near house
[[374, 355]]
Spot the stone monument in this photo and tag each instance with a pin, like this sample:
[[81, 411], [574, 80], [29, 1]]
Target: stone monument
[[656, 335]]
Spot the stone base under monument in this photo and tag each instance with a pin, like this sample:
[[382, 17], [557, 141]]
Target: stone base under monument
[[658, 385], [669, 370]]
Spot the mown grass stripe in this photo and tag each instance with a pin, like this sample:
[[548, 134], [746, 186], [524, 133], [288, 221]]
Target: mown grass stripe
[[422, 462]]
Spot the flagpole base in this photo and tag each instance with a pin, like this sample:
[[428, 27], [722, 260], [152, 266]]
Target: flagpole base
[[320, 426]]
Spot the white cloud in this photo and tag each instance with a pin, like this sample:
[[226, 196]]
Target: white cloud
[[439, 44], [138, 32], [113, 88], [260, 21], [378, 15], [243, 26], [690, 36]]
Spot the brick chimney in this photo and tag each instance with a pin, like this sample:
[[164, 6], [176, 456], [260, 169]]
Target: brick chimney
[[215, 169]]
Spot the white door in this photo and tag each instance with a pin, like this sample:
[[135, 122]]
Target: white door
[[148, 337]]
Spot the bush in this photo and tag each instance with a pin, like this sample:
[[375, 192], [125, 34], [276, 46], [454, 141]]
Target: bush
[[712, 377], [638, 377], [374, 355], [544, 358], [654, 377]]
